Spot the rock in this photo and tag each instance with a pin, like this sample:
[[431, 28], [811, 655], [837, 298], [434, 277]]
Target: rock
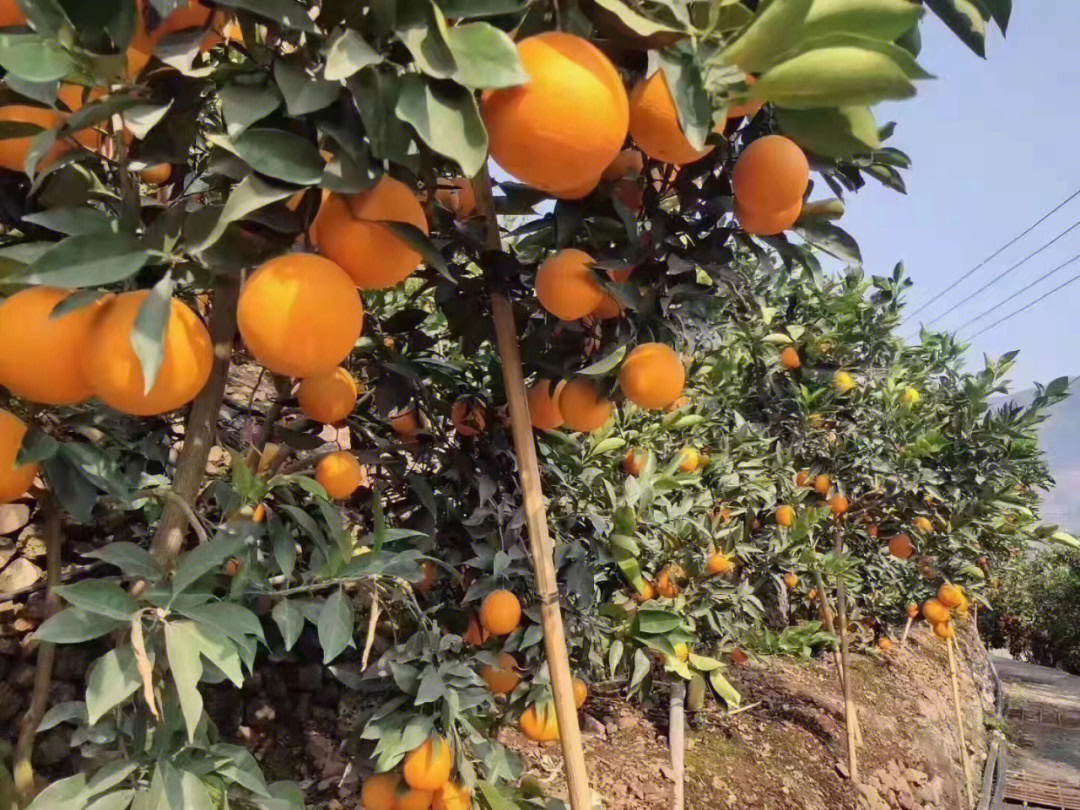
[[20, 574], [930, 792], [7, 548], [32, 542], [627, 721], [591, 726], [915, 777], [13, 516]]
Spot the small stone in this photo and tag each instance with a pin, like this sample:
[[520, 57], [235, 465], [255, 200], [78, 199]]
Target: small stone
[[915, 777], [627, 721], [32, 543], [930, 793], [20, 574], [591, 726], [13, 516]]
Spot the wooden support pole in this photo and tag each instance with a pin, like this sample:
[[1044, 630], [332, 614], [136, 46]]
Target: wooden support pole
[[543, 556], [830, 625], [677, 738], [907, 629], [849, 693], [960, 723]]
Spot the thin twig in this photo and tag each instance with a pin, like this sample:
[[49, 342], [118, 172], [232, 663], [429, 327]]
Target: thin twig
[[373, 621], [677, 736]]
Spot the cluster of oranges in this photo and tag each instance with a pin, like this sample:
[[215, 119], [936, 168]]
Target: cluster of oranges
[[939, 610], [424, 782]]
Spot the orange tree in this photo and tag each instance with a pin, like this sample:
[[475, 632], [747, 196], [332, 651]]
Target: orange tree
[[292, 171]]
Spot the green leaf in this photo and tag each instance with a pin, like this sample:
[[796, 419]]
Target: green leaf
[[72, 220], [687, 88], [37, 446], [724, 689], [965, 19], [166, 790], [250, 194], [447, 119], [281, 155], [833, 240], [205, 558], [1000, 12], [881, 19], [347, 54], [836, 132], [638, 24], [64, 712], [335, 625], [465, 9], [657, 621], [72, 625], [284, 547], [376, 95], [494, 798], [418, 241], [244, 104], [303, 92], [117, 800], [432, 686], [902, 57], [34, 58], [88, 260], [63, 794], [182, 649], [486, 57], [290, 621], [422, 27], [604, 364], [101, 597], [133, 560], [775, 28], [141, 118], [147, 336], [110, 776], [112, 679], [827, 77], [220, 651], [288, 13]]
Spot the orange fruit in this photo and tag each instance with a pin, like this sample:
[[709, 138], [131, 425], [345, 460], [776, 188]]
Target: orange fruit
[[912, 610], [413, 799], [843, 382], [503, 679], [652, 376], [566, 286], [934, 611], [500, 613], [563, 127], [950, 595], [608, 309], [431, 577], [340, 474], [539, 723], [347, 231], [114, 372], [791, 580], [457, 196], [14, 481], [789, 358], [380, 791], [11, 14], [427, 767], [872, 530], [634, 462], [923, 525], [767, 223], [667, 584], [785, 516], [452, 796], [838, 504], [582, 407], [627, 164], [543, 405], [900, 547], [476, 635], [13, 151], [647, 592], [944, 630], [581, 692], [470, 417], [193, 15], [822, 484], [884, 644], [329, 396], [406, 424], [689, 460], [719, 563], [300, 314], [157, 175], [771, 175], [654, 123], [41, 358], [802, 479]]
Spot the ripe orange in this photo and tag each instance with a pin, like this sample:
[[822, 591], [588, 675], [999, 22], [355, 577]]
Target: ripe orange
[[950, 595], [539, 723], [347, 230], [41, 358], [627, 164], [14, 481], [923, 524], [412, 799], [900, 547], [747, 108], [500, 613], [329, 396], [767, 223], [427, 767], [431, 577], [608, 309], [789, 358], [114, 372], [581, 692], [13, 151], [647, 592], [566, 286], [470, 417], [457, 196], [872, 530], [380, 791], [885, 644], [543, 405], [802, 479], [785, 516], [791, 580], [340, 475], [157, 174], [912, 610], [582, 407], [935, 612], [567, 124], [654, 123], [667, 584], [822, 484], [719, 563], [300, 314], [476, 635], [652, 376], [838, 504], [193, 15], [11, 14], [771, 175], [406, 424], [634, 461], [503, 679], [452, 796], [944, 630]]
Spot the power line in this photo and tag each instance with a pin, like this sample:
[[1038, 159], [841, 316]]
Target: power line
[[1026, 307], [1005, 247], [1004, 273], [1018, 293]]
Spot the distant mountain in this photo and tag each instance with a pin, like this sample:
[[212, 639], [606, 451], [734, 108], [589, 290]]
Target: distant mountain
[[1059, 436]]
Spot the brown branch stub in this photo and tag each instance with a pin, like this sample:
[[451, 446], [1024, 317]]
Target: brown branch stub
[[201, 427]]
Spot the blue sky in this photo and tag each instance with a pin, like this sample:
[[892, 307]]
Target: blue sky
[[994, 145]]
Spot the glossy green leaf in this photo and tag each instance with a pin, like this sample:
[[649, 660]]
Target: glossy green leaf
[[185, 666], [250, 194], [347, 54], [87, 260], [289, 13], [244, 104], [99, 596], [486, 57], [290, 621], [965, 19], [63, 794], [775, 28], [827, 77], [112, 679], [148, 333], [687, 88], [205, 558], [117, 800], [72, 220], [832, 240], [881, 19], [72, 625], [422, 27], [634, 22], [836, 132], [34, 58], [335, 625], [281, 155], [303, 92], [447, 119]]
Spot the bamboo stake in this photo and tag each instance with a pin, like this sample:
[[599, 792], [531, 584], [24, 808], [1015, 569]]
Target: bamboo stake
[[849, 694], [830, 625], [677, 736], [959, 722], [907, 629], [506, 337]]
